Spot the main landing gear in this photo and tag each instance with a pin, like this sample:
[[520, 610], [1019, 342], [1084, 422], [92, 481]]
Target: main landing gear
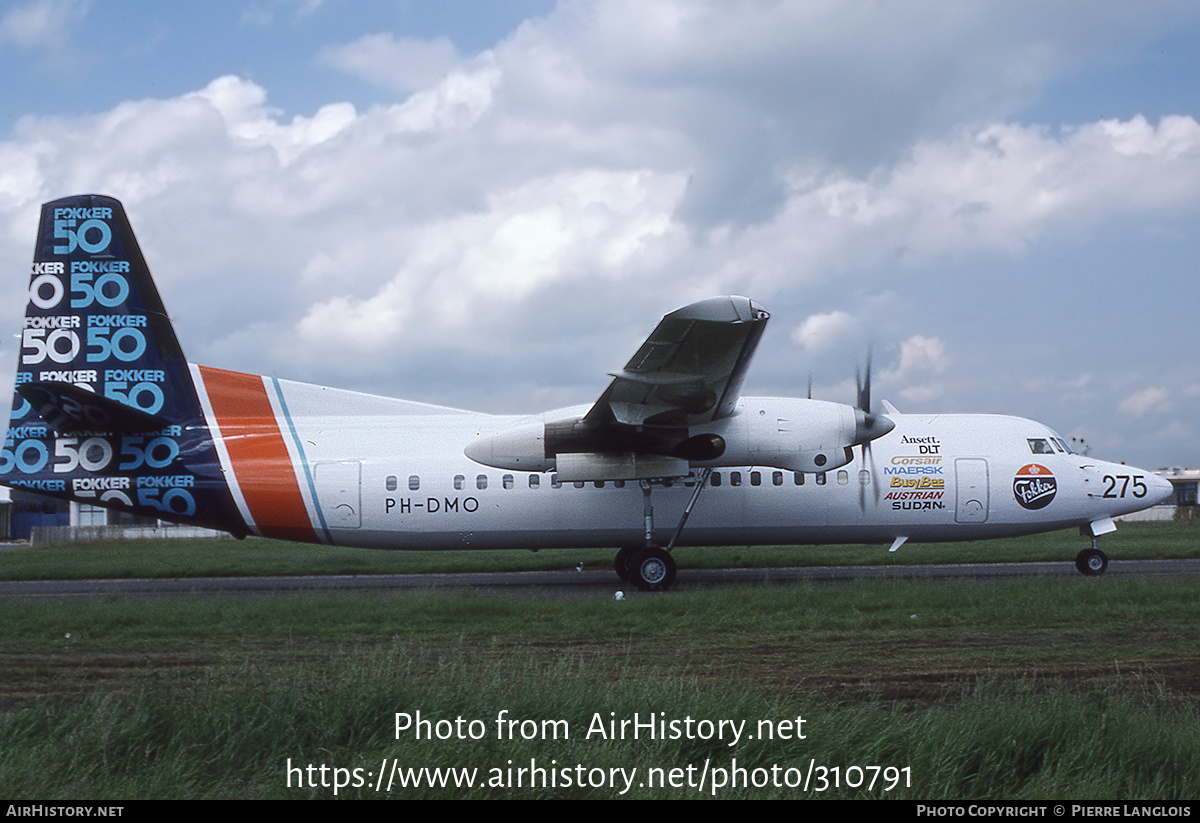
[[1091, 561], [650, 567]]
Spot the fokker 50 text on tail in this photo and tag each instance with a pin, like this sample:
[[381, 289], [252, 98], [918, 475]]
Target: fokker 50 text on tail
[[108, 411]]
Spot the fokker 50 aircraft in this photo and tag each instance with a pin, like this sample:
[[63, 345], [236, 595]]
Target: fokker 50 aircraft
[[108, 411]]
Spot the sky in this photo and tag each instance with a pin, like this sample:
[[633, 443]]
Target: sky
[[489, 205]]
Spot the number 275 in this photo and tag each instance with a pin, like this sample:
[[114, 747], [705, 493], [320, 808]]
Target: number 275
[[1120, 485]]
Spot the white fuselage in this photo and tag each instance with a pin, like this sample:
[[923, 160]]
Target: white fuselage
[[396, 477]]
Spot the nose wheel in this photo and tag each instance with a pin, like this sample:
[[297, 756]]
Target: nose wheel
[[1091, 562]]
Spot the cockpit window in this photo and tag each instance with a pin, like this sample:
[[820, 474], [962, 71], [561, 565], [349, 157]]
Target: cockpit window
[[1038, 445]]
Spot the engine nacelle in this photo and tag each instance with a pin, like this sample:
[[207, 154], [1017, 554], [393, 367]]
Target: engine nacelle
[[788, 433], [522, 448], [581, 451], [780, 432]]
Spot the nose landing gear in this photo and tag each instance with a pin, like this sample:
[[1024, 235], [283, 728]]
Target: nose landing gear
[[1091, 562]]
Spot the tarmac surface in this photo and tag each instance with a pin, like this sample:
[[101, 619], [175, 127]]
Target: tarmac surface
[[575, 584]]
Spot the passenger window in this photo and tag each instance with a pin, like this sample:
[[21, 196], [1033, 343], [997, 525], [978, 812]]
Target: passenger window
[[391, 483], [460, 482], [777, 478], [755, 478], [507, 481], [843, 477], [714, 479], [798, 478], [555, 482], [414, 483], [735, 478], [534, 481], [481, 481], [821, 479]]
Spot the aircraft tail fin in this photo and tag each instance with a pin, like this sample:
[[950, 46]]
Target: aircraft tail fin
[[105, 408]]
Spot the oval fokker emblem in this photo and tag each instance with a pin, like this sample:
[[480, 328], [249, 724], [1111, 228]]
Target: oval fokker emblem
[[1034, 486]]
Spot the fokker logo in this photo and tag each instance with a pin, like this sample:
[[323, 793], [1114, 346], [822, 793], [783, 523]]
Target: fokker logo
[[1034, 486]]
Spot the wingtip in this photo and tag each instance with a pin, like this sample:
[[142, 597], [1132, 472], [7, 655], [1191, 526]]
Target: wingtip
[[728, 308]]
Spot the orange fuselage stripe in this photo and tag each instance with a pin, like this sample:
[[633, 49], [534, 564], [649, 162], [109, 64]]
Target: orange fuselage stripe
[[258, 453]]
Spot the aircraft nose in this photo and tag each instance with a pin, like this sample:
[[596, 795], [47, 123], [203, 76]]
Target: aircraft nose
[[1161, 489]]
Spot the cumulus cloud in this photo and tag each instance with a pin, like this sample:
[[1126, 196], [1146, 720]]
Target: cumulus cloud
[[921, 354], [42, 25], [820, 331], [999, 188], [264, 12], [248, 119], [402, 64], [758, 86], [592, 224], [1141, 403], [921, 358]]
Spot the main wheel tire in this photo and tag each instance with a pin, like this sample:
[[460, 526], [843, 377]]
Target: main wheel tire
[[623, 561], [652, 570], [1091, 562]]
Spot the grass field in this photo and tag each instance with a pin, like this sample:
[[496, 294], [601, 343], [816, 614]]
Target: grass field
[[1039, 688]]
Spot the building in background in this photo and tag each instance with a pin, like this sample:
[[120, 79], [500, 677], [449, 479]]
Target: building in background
[[1185, 482], [38, 518]]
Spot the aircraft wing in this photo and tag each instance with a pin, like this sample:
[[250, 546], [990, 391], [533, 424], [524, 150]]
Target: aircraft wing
[[691, 368]]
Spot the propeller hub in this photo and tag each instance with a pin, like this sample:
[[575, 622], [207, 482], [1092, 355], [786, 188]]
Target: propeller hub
[[868, 426]]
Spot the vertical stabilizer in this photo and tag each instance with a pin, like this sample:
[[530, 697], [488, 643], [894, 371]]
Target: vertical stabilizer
[[105, 410]]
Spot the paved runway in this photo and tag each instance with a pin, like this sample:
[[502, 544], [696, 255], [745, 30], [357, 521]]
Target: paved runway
[[572, 583]]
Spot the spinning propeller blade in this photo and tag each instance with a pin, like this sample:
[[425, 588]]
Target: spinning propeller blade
[[869, 426]]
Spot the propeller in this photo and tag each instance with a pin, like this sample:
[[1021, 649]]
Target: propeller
[[868, 426]]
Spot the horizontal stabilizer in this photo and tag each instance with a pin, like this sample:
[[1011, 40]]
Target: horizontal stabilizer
[[69, 409]]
